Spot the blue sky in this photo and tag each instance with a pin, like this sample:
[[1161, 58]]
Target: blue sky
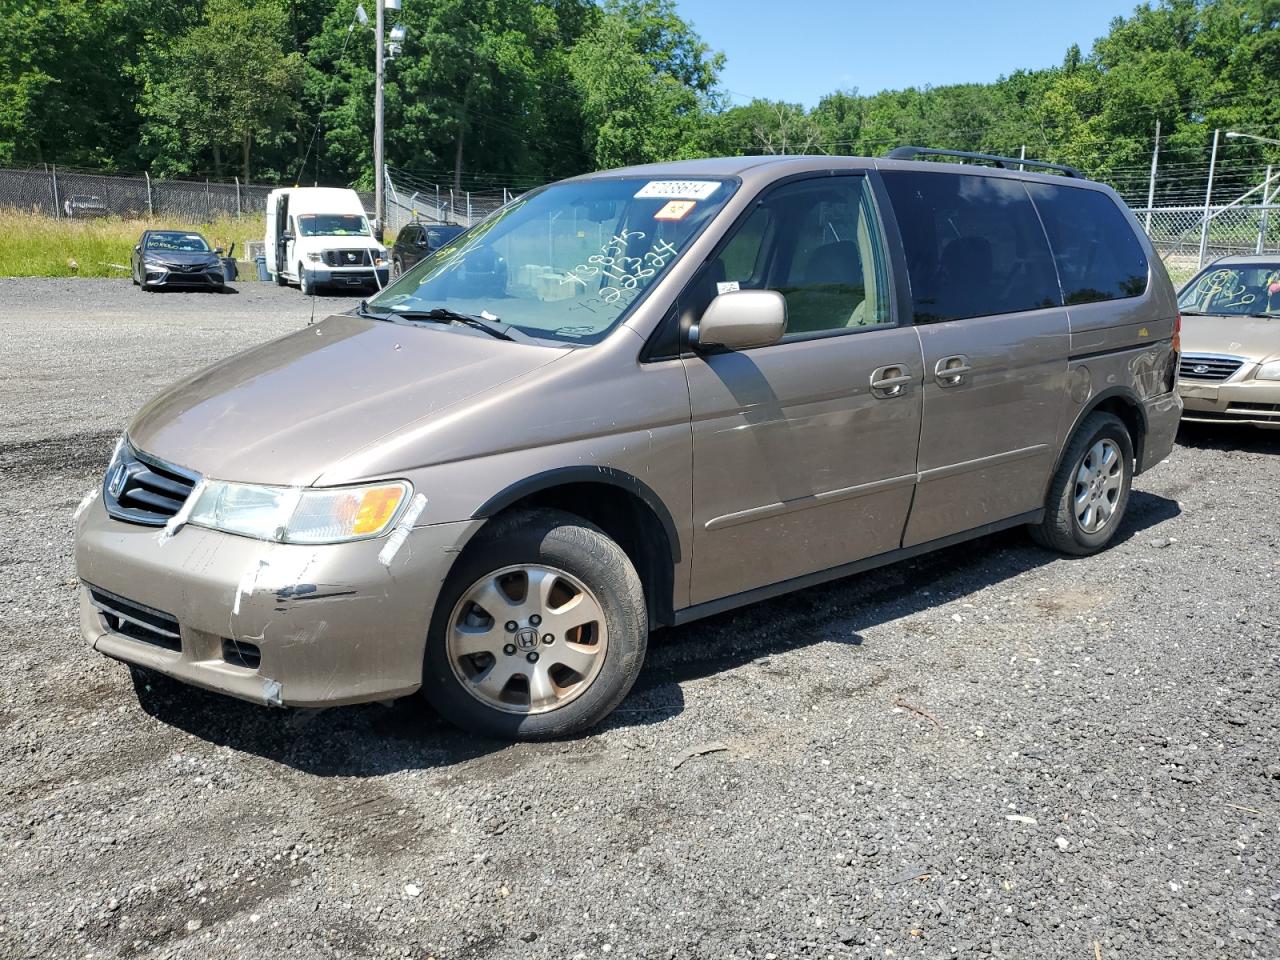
[[800, 50]]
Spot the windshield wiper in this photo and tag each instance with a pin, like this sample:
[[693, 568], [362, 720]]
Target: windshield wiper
[[444, 315], [363, 311]]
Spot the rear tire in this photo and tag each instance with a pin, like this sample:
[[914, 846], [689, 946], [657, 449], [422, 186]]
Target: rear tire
[[1090, 491], [564, 570]]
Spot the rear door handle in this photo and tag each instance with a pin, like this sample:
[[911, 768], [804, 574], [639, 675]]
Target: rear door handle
[[952, 371], [889, 381]]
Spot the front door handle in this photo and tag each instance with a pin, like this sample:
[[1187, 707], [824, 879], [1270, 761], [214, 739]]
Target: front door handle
[[889, 381], [952, 371]]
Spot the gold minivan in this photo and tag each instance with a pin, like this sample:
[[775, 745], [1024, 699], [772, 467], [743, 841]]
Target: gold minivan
[[630, 400]]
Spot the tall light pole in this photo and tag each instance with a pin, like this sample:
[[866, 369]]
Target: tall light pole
[[1233, 135], [379, 196], [383, 52], [1208, 199]]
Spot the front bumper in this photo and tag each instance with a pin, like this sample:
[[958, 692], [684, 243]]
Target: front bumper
[[160, 277], [332, 624], [349, 276], [1252, 402]]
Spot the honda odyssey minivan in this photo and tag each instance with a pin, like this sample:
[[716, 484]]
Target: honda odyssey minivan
[[629, 400]]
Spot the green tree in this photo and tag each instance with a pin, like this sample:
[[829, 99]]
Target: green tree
[[229, 81], [646, 81]]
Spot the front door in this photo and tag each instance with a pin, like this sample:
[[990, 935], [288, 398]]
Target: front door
[[996, 339], [804, 452]]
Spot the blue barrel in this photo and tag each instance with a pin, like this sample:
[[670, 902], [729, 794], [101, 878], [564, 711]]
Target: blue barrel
[[262, 268]]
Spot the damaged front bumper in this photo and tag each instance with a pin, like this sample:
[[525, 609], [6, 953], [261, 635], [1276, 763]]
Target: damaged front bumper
[[282, 624]]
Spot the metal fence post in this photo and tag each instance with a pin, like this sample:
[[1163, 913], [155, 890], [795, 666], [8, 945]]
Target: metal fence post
[[208, 202], [57, 206], [1262, 216], [238, 196], [151, 208], [1208, 199], [1151, 185]]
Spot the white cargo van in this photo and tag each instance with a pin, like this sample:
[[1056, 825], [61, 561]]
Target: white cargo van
[[320, 237]]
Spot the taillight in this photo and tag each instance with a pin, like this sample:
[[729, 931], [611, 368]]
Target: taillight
[[1177, 334]]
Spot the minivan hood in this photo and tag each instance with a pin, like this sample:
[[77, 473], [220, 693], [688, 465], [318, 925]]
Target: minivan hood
[[1256, 338], [285, 411]]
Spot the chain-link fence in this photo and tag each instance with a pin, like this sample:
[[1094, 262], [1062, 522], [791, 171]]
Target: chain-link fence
[[1187, 238], [410, 198], [59, 193], [1184, 237], [65, 193]]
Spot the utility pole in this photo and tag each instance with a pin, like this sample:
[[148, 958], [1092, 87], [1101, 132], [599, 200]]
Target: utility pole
[[1208, 199], [1151, 187], [379, 196]]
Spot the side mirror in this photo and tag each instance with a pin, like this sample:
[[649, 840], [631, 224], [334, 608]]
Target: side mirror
[[287, 235], [420, 242], [741, 320], [217, 251], [137, 248]]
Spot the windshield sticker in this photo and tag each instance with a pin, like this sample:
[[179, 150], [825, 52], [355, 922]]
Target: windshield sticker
[[727, 286], [677, 190], [675, 210]]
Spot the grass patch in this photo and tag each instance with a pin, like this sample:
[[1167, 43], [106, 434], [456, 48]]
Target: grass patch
[[35, 246]]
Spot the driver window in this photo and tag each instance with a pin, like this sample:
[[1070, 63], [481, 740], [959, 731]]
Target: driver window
[[818, 243]]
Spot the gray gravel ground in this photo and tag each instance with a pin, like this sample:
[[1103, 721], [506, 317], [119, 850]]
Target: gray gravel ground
[[990, 751]]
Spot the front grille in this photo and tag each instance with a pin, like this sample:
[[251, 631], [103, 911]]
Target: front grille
[[142, 489], [135, 620], [239, 653], [1208, 367], [348, 258]]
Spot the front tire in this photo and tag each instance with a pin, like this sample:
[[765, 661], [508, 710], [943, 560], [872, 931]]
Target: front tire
[[540, 630], [397, 268], [305, 282], [1090, 491]]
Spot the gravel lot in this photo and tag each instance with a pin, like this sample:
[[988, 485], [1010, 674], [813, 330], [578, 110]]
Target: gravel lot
[[988, 751]]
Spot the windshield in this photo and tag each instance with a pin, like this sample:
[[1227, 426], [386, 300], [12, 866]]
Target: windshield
[[1239, 290], [186, 242], [565, 262], [333, 225]]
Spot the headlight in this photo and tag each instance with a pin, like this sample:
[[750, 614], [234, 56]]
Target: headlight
[[379, 261], [314, 257], [1268, 371], [152, 265], [299, 514]]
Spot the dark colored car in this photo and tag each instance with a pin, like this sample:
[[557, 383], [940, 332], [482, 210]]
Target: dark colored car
[[417, 240], [176, 258]]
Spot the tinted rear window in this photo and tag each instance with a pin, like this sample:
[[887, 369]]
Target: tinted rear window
[[974, 246], [1099, 257]]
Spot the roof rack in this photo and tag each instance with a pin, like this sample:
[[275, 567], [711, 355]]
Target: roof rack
[[911, 153]]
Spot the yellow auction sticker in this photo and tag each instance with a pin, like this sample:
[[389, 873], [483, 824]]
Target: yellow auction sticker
[[675, 210]]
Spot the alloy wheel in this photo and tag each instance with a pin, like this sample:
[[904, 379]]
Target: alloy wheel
[[526, 639], [1099, 481]]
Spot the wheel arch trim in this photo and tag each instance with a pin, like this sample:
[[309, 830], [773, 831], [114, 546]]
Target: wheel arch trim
[[1124, 394], [606, 476]]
